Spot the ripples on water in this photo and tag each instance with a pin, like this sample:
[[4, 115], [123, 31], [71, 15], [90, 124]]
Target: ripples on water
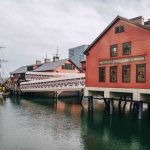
[[44, 124]]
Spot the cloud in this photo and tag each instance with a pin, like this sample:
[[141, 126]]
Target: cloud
[[29, 28]]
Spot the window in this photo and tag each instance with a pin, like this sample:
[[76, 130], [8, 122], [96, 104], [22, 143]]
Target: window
[[113, 74], [68, 66], [119, 29], [29, 68], [126, 48], [126, 73], [102, 74], [141, 73], [113, 50], [63, 67]]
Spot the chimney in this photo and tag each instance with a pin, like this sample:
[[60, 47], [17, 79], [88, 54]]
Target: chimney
[[46, 60], [147, 23], [55, 58], [139, 20], [38, 62]]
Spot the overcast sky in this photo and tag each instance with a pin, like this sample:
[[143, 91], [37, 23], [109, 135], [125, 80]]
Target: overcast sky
[[29, 28]]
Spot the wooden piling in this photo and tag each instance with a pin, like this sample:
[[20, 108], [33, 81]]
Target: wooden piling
[[119, 106], [106, 103], [124, 106], [140, 110], [110, 106], [148, 108], [131, 105], [135, 106], [90, 103]]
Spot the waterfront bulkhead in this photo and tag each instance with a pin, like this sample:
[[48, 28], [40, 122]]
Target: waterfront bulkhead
[[118, 61]]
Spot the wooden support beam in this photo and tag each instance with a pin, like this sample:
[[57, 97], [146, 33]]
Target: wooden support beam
[[124, 106], [90, 103], [140, 110], [135, 106], [131, 105], [148, 107], [106, 103], [110, 106], [119, 106]]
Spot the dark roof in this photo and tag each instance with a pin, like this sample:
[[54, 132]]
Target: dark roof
[[109, 26], [22, 69], [26, 68], [51, 65], [43, 67], [3, 81], [135, 18]]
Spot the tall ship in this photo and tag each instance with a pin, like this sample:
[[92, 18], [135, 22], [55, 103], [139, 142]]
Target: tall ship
[[2, 75]]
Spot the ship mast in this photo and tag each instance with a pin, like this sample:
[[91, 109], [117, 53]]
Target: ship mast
[[1, 61], [56, 56]]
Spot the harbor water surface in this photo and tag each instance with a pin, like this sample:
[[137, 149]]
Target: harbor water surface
[[44, 124]]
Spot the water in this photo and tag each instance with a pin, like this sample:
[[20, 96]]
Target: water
[[41, 124]]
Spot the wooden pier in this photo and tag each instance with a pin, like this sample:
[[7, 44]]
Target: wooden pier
[[135, 106]]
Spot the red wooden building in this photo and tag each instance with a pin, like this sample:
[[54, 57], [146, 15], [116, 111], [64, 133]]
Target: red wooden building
[[83, 64], [118, 60]]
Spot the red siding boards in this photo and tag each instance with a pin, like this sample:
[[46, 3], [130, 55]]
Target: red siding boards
[[100, 50]]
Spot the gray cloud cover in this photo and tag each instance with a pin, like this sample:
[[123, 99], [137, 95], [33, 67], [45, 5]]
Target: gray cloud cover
[[29, 28]]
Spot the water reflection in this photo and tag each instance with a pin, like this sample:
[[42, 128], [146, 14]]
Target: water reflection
[[1, 101], [104, 132], [36, 123], [16, 100]]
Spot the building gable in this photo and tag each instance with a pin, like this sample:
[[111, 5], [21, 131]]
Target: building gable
[[68, 66], [50, 66], [99, 58], [101, 48], [111, 25]]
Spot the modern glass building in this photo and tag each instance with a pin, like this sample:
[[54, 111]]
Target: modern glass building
[[76, 54]]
